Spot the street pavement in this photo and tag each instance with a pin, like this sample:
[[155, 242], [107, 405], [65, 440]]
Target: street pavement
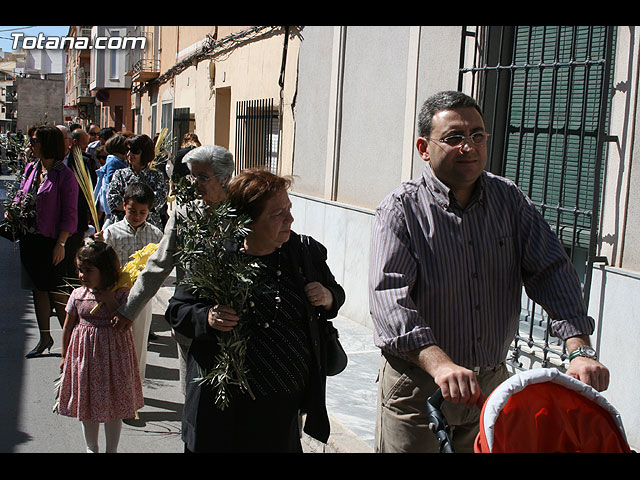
[[28, 425]]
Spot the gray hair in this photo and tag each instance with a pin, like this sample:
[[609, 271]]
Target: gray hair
[[218, 159]]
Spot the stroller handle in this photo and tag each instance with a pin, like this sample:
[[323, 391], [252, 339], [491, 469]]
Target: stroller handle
[[438, 423], [436, 400]]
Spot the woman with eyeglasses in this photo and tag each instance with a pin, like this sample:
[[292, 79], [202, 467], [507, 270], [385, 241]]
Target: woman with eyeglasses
[[49, 190], [140, 153], [211, 167]]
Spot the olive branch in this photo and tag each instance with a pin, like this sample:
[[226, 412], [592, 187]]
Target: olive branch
[[17, 204], [211, 252]]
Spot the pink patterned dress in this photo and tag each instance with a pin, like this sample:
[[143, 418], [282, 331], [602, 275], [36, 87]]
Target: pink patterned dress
[[101, 380]]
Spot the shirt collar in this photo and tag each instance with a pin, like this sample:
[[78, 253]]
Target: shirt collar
[[438, 190], [443, 194], [140, 228]]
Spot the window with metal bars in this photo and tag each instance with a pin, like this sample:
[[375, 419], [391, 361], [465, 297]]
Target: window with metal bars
[[545, 94], [257, 135]]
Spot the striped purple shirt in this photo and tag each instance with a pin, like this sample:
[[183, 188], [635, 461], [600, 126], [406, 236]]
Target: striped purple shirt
[[444, 275]]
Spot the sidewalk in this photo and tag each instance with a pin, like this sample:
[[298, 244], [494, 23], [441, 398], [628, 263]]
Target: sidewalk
[[27, 424], [351, 395]]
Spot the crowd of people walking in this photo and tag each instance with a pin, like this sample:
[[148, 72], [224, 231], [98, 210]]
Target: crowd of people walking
[[450, 251], [105, 323]]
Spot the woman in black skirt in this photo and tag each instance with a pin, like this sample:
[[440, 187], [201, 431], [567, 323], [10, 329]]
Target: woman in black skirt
[[285, 354], [53, 199]]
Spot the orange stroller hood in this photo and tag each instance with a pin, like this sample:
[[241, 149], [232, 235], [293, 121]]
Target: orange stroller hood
[[546, 411]]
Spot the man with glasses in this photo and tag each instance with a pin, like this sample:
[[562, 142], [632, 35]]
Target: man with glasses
[[93, 129], [450, 251]]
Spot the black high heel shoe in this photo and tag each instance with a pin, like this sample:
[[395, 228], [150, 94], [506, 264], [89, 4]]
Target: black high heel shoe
[[36, 352]]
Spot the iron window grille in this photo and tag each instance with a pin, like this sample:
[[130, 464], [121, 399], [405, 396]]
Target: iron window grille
[[257, 135], [545, 93]]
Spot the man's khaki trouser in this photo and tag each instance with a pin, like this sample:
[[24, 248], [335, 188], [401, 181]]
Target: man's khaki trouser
[[402, 424]]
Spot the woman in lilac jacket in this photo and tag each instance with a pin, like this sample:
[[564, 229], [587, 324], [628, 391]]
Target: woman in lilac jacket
[[54, 199]]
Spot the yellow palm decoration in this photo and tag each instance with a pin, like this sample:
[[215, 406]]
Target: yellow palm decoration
[[86, 185], [162, 147], [130, 272]]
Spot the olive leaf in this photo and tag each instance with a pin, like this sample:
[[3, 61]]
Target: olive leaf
[[210, 249]]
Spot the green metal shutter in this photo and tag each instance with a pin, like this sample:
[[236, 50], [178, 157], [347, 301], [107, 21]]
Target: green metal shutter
[[552, 132]]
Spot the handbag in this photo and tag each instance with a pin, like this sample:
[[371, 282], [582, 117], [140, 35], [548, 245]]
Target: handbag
[[336, 356]]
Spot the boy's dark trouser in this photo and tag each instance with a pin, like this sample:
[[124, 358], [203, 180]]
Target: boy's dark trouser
[[402, 424]]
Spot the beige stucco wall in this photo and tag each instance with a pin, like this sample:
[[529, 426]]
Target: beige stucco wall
[[360, 88], [248, 72], [620, 231]]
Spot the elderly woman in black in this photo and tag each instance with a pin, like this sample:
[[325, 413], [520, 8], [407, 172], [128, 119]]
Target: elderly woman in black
[[210, 168], [285, 354]]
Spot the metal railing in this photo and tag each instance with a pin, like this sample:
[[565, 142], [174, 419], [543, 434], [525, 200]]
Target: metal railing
[[544, 91], [146, 65], [257, 135]]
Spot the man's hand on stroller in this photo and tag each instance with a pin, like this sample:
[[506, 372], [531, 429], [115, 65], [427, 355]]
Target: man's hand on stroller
[[590, 372], [458, 384], [587, 370]]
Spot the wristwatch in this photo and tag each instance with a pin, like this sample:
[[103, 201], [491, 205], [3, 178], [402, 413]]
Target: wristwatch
[[584, 351]]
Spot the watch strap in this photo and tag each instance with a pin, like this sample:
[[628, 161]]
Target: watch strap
[[583, 351]]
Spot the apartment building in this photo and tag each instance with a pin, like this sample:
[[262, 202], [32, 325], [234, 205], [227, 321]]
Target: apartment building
[[7, 102], [98, 88], [231, 85], [80, 103], [31, 88]]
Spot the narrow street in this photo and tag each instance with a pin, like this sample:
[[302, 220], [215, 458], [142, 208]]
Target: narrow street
[[27, 395]]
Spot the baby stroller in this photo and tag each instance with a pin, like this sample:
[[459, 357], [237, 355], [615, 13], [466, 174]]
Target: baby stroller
[[540, 411]]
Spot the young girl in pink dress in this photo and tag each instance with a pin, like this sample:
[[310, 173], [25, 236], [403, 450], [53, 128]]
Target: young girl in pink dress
[[100, 376]]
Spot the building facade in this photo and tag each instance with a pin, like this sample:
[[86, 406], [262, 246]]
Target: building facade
[[31, 88], [231, 85], [80, 103], [560, 103], [227, 84], [39, 102]]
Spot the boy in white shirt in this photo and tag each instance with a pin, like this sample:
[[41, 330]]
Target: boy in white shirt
[[127, 236]]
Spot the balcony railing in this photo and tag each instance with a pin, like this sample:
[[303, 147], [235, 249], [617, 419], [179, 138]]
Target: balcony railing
[[81, 87], [145, 69]]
